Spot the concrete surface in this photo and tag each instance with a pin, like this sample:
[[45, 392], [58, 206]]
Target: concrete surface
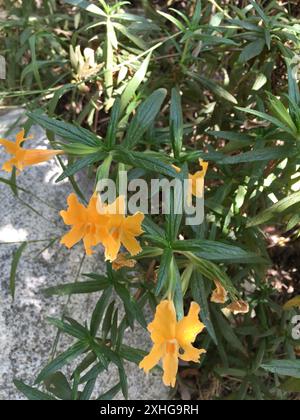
[[26, 339]]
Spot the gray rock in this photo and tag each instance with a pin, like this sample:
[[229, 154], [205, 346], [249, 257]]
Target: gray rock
[[26, 339]]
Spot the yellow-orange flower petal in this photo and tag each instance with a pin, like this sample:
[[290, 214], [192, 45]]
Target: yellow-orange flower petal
[[186, 332], [73, 237], [219, 295], [36, 156], [122, 230], [170, 367], [87, 224], [121, 262], [163, 327], [169, 336], [239, 307], [21, 158], [197, 180], [152, 358]]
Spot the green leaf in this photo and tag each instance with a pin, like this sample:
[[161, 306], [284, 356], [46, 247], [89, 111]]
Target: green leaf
[[176, 204], [131, 354], [144, 118], [77, 288], [31, 393], [99, 311], [123, 382], [294, 93], [164, 270], [212, 272], [268, 153], [264, 116], [112, 130], [281, 112], [58, 385], [13, 181], [174, 20], [252, 50], [275, 210], [227, 331], [65, 130], [68, 328], [106, 325], [81, 164], [260, 81], [152, 229], [94, 372], [260, 11], [177, 289], [231, 136], [283, 367], [99, 353], [13, 271], [149, 161], [130, 304], [109, 395], [134, 83], [200, 296], [88, 390], [217, 251], [34, 63], [176, 122], [86, 5], [213, 87], [64, 358]]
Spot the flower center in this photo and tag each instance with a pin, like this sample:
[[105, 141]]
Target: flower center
[[171, 346], [89, 228]]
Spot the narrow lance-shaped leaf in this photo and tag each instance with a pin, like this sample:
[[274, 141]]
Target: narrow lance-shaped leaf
[[80, 164], [109, 395], [164, 270], [144, 117], [264, 116], [283, 367], [176, 122], [200, 296], [113, 123], [86, 5], [77, 288], [68, 131], [275, 210], [31, 393], [99, 311], [63, 359], [134, 83], [14, 266]]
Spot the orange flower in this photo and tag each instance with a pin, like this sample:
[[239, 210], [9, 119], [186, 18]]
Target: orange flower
[[86, 222], [122, 230], [239, 307], [122, 261], [219, 295], [197, 180], [169, 336], [23, 157]]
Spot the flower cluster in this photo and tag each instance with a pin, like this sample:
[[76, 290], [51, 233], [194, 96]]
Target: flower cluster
[[102, 224], [108, 225]]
